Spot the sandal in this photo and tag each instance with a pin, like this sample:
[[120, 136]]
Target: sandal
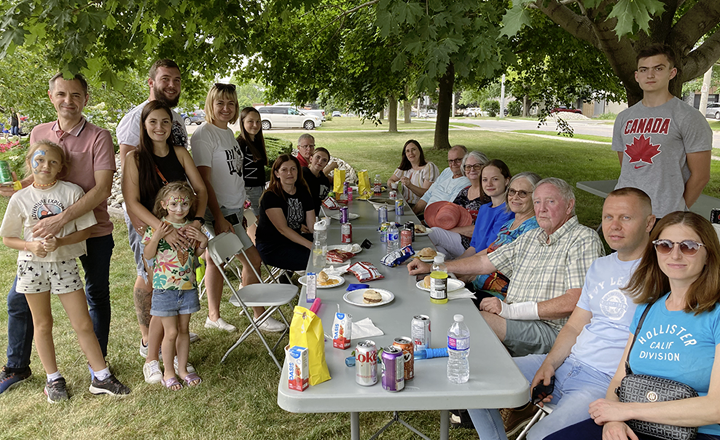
[[192, 380], [172, 384]]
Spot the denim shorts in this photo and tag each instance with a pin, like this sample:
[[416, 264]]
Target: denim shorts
[[174, 302]]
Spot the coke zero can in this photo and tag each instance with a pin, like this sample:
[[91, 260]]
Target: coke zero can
[[366, 363], [393, 377]]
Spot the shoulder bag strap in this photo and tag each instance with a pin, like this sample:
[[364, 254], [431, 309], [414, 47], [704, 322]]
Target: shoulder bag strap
[[637, 331]]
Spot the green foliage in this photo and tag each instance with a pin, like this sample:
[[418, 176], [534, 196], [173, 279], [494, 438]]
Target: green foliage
[[15, 156], [514, 108], [275, 147], [492, 106], [607, 116]]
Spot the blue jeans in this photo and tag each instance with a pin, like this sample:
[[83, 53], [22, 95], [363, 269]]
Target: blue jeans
[[576, 386], [97, 291]]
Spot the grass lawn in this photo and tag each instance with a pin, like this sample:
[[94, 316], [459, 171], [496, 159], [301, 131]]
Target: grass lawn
[[587, 137], [715, 125], [238, 398], [355, 123]]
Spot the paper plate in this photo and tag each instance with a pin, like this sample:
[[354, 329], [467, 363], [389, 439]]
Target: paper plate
[[340, 282], [355, 297], [452, 284], [424, 234], [351, 216]]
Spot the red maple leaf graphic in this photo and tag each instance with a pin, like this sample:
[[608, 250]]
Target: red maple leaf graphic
[[642, 150]]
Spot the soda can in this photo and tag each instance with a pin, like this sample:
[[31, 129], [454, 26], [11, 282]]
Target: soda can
[[346, 233], [715, 215], [392, 194], [343, 214], [342, 330], [298, 368], [393, 376], [382, 214], [5, 174], [411, 227], [405, 238], [408, 348], [350, 194], [420, 332], [366, 363], [399, 208]]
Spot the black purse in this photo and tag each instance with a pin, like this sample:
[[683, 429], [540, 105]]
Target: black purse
[[643, 388]]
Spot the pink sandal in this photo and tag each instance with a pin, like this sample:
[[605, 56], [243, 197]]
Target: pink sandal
[[192, 380], [172, 383]]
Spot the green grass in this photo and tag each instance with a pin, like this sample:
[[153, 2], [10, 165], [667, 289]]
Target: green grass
[[355, 123], [238, 398], [715, 125], [587, 137]]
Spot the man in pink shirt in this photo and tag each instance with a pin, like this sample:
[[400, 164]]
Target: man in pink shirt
[[92, 164]]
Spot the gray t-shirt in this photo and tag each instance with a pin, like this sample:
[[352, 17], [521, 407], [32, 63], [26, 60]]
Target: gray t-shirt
[[655, 142]]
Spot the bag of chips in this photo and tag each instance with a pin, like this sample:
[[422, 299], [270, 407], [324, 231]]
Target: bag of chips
[[365, 271], [338, 181]]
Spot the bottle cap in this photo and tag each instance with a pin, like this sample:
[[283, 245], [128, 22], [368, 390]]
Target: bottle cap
[[321, 225], [439, 258], [459, 318]]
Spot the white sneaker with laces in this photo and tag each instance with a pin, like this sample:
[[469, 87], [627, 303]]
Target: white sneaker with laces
[[143, 349], [152, 373], [272, 325], [219, 324], [193, 337]]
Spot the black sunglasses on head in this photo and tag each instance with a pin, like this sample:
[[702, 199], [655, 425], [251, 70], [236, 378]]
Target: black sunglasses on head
[[221, 86]]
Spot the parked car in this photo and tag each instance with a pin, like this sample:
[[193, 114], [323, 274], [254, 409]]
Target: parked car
[[562, 108], [472, 112], [319, 113], [193, 117], [277, 116], [713, 110], [336, 114]]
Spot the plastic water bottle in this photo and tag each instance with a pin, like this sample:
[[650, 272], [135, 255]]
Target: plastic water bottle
[[393, 238], [458, 366], [319, 252]]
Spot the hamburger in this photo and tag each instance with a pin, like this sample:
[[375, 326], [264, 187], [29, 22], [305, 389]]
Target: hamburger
[[426, 253], [371, 296]]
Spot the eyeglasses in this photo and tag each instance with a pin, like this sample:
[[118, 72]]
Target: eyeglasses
[[476, 167], [520, 193], [307, 146], [452, 161], [221, 86], [687, 247]]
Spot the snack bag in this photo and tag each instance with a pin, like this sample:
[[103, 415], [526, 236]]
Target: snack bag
[[365, 191], [306, 331], [365, 271], [338, 180]]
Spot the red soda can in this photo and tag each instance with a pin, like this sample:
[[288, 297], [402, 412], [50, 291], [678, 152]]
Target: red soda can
[[366, 363], [405, 238], [393, 377], [346, 233], [420, 332], [406, 345]]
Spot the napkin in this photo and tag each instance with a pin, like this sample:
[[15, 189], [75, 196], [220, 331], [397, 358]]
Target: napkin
[[460, 293], [365, 329], [354, 248], [336, 271], [377, 205]]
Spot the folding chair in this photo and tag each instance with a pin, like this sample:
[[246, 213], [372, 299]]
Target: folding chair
[[539, 415], [223, 249]]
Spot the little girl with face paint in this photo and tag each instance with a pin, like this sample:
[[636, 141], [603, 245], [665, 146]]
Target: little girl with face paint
[[175, 295], [47, 265]]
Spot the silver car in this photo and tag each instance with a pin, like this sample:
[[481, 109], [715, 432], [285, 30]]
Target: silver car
[[277, 116], [713, 110]]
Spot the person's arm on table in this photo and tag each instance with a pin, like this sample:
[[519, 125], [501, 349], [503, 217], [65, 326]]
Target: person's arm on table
[[699, 166], [477, 264], [278, 220], [419, 207]]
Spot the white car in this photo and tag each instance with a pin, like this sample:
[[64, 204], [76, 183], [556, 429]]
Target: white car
[[277, 116]]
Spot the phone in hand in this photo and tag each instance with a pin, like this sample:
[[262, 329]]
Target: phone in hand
[[541, 391]]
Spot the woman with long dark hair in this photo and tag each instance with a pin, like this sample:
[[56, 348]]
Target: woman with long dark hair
[[415, 173], [252, 145]]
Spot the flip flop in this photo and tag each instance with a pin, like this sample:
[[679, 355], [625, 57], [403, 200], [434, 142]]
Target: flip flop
[[192, 380], [172, 382]]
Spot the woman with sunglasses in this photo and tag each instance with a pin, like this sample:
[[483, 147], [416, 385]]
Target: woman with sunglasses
[[678, 279], [415, 173], [220, 161]]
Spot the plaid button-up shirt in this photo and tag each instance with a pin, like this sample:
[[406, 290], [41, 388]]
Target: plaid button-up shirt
[[542, 267]]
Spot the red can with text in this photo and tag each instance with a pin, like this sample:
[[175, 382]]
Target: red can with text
[[346, 233], [366, 363], [405, 238], [406, 345]]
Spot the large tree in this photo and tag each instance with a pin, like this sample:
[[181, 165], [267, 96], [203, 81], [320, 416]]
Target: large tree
[[619, 28]]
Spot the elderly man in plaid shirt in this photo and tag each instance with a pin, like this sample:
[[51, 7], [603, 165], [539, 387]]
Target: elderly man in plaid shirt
[[546, 267]]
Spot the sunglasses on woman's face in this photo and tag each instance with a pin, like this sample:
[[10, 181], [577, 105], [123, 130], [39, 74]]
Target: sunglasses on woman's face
[[687, 247]]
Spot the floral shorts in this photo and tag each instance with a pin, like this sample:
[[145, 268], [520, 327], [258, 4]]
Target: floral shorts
[[58, 277]]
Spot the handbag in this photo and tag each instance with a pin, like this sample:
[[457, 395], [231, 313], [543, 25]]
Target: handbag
[[644, 388]]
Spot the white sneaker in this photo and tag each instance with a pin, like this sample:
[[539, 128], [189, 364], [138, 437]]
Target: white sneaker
[[272, 325], [152, 373], [188, 367], [143, 349], [219, 324], [193, 337]]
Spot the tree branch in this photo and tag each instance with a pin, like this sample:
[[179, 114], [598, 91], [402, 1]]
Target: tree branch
[[577, 25], [696, 22], [699, 60]]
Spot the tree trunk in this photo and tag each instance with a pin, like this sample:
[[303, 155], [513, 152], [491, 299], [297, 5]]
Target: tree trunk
[[407, 109], [526, 105], [442, 124], [381, 115], [392, 114]]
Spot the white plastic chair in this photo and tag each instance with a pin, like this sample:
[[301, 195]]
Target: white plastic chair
[[223, 249], [546, 409]]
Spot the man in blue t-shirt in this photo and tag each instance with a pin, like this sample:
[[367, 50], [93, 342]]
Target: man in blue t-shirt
[[587, 350]]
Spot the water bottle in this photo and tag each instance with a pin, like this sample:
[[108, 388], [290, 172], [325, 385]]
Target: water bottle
[[393, 238], [458, 345], [319, 252]]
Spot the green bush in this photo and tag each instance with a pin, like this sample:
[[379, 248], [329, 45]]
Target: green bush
[[15, 156], [607, 116], [515, 108], [275, 147], [491, 106]]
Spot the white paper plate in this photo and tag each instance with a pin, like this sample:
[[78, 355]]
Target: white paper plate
[[356, 297], [452, 284], [351, 216], [423, 234], [341, 281]]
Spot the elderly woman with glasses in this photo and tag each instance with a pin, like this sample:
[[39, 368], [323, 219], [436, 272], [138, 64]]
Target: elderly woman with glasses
[[677, 285], [219, 159]]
